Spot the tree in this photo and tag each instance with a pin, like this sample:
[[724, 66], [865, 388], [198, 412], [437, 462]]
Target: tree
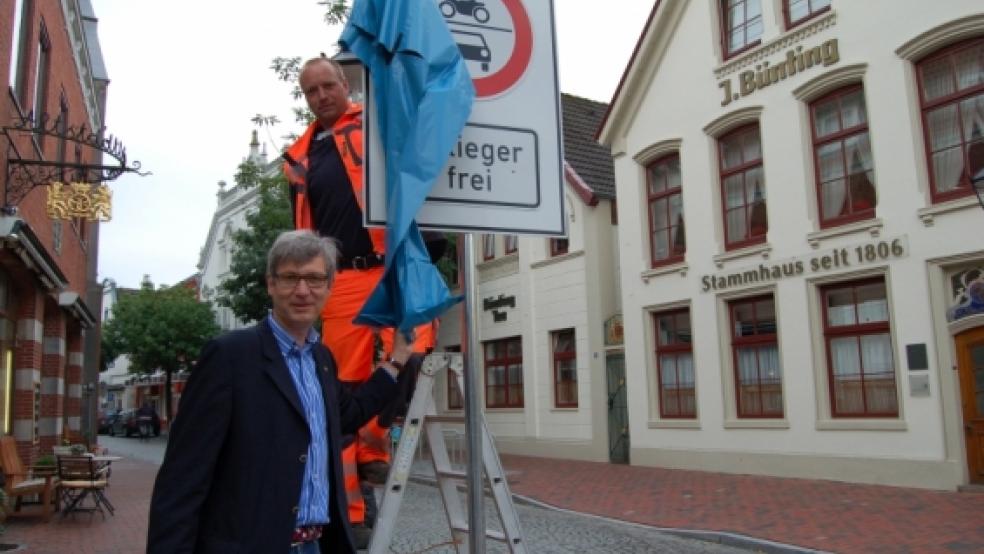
[[162, 329], [244, 291]]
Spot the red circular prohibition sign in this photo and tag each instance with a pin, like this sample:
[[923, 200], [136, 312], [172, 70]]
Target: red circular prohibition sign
[[518, 61]]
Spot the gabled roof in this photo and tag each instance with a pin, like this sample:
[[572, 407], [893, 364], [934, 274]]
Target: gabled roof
[[646, 52], [591, 161]]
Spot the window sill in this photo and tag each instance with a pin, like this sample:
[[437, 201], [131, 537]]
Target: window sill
[[679, 267], [928, 214], [674, 424], [753, 423], [557, 259], [568, 409], [763, 249], [504, 410], [873, 226], [861, 425]]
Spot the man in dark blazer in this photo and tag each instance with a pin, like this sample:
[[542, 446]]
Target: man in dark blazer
[[253, 458]]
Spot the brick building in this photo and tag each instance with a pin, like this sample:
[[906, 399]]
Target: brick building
[[50, 56]]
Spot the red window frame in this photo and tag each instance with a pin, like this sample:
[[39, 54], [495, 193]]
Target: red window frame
[[560, 357], [810, 13], [674, 253], [677, 348], [964, 187], [455, 402], [760, 336], [724, 11], [752, 207], [860, 204], [488, 247], [511, 243], [512, 391], [559, 247], [857, 330]]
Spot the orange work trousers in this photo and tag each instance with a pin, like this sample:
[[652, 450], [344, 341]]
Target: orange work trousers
[[352, 347]]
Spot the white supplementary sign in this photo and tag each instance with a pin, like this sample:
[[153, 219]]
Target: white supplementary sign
[[505, 173]]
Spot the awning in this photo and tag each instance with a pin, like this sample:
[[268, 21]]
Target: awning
[[17, 236]]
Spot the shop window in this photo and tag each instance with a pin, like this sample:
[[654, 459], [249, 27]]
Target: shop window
[[504, 373], [860, 361], [666, 230], [951, 92], [743, 187], [755, 351], [845, 174], [675, 365], [455, 401], [798, 11], [564, 368], [488, 247], [741, 25], [559, 247]]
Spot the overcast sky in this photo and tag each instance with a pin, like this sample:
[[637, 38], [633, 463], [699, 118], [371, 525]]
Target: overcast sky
[[186, 77]]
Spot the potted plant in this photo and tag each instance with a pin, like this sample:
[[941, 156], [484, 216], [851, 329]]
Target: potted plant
[[45, 465]]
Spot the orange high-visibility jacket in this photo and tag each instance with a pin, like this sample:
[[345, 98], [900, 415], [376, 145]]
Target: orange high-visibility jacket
[[347, 133]]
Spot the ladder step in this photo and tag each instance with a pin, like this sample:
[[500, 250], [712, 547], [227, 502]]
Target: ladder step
[[445, 419], [452, 473], [490, 533]]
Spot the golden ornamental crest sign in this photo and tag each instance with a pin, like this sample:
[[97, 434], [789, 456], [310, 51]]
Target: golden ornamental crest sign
[[80, 200]]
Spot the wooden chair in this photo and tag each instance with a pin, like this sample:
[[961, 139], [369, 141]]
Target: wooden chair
[[20, 483], [81, 477]]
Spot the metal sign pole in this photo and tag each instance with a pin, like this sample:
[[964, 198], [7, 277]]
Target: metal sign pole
[[473, 415]]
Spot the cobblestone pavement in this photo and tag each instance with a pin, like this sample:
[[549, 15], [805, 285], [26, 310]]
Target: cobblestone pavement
[[740, 510], [422, 527]]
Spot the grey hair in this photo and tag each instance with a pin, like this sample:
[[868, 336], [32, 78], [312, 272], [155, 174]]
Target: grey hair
[[300, 247]]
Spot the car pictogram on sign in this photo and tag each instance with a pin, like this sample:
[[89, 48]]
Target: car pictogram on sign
[[473, 47], [467, 7]]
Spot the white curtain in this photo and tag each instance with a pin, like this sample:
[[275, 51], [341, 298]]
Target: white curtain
[[879, 373], [944, 139], [846, 366]]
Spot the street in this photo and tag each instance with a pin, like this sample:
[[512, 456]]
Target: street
[[421, 526]]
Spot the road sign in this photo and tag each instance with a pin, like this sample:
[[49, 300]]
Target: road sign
[[505, 173]]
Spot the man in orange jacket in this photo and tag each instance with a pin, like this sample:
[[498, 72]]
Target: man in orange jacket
[[324, 168]]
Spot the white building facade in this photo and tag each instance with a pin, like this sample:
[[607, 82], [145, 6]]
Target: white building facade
[[801, 249], [544, 305], [215, 262]]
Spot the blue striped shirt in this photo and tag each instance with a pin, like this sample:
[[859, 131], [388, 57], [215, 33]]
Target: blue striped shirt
[[313, 504]]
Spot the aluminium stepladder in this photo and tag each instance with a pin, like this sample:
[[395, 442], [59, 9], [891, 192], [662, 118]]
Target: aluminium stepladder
[[422, 417]]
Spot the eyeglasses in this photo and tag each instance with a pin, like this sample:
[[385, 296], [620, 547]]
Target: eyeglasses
[[289, 281]]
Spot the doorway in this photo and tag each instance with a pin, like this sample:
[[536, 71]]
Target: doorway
[[970, 366], [618, 409]]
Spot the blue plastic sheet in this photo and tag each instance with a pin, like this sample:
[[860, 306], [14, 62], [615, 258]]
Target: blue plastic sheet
[[424, 96]]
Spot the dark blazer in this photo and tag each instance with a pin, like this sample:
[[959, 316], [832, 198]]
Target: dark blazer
[[232, 472]]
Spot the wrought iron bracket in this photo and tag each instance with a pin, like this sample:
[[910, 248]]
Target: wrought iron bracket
[[24, 174]]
